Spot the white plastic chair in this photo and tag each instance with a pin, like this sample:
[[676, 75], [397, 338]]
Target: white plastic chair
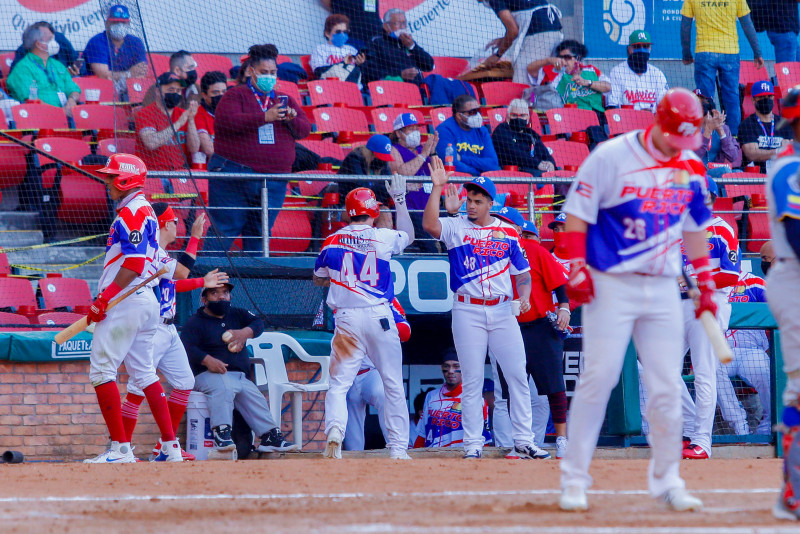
[[270, 375]]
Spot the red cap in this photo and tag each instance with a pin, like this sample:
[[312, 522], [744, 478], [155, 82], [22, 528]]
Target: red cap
[[679, 115], [129, 170], [361, 201], [166, 217]]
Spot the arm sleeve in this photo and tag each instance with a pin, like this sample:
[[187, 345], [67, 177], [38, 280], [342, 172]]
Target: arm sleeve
[[553, 273], [614, 98], [318, 58], [699, 216], [247, 318], [191, 336], [786, 191], [702, 152], [373, 68], [138, 53], [583, 199], [422, 59], [231, 118], [561, 294], [320, 265], [750, 32], [448, 229], [518, 262], [397, 238], [300, 127], [94, 53], [445, 138], [69, 84], [792, 227], [730, 149], [15, 83], [686, 30], [488, 160], [663, 87]]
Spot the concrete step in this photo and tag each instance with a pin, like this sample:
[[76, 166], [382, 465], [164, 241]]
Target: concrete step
[[20, 238], [91, 273], [63, 255], [18, 220]]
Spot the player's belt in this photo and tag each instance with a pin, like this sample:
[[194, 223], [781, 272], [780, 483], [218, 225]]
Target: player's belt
[[480, 302], [362, 371], [168, 320]]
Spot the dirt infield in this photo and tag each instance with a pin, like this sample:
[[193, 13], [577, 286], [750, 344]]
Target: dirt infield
[[376, 495]]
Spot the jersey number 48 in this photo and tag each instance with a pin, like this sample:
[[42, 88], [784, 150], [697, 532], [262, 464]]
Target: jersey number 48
[[369, 270]]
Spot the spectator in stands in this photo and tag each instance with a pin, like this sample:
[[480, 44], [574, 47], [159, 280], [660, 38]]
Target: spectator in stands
[[719, 145], [636, 82], [166, 134], [66, 52], [472, 145], [767, 255], [184, 67], [575, 82], [517, 144], [717, 49], [337, 58], [440, 424], [213, 85], [253, 133], [779, 18], [759, 135], [533, 29], [363, 15], [411, 158], [221, 370], [51, 78], [115, 54], [371, 159], [393, 55]]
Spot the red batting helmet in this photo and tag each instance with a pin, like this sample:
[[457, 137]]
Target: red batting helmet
[[679, 115], [361, 201], [128, 170]]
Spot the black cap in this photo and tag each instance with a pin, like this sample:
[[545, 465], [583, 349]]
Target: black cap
[[167, 78], [229, 284]]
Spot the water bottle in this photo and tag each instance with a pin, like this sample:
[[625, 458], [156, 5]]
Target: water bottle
[[448, 155], [33, 91], [553, 318]]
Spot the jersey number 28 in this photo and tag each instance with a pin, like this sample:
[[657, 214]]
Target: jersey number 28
[[369, 270]]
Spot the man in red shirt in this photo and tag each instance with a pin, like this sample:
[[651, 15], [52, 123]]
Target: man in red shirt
[[164, 131], [212, 86], [544, 345]]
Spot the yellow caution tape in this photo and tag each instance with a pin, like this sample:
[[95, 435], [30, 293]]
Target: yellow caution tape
[[51, 270], [46, 245]]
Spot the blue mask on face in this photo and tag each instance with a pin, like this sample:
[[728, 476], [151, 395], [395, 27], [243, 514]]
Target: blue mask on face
[[339, 39], [266, 82]]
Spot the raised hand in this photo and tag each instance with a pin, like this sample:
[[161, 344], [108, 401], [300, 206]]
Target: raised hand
[[452, 202], [439, 176], [197, 226], [215, 279], [397, 188]]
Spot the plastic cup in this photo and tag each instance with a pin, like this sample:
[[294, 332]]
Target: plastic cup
[[515, 307]]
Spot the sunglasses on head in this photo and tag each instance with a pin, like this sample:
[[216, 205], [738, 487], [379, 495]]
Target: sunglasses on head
[[471, 112]]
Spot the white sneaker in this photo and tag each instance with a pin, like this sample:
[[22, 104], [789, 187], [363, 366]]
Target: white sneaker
[[679, 500], [170, 452], [117, 453], [398, 454], [573, 499], [333, 447], [561, 446]]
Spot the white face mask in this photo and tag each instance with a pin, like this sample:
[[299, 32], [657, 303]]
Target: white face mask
[[413, 139], [403, 31], [475, 121], [53, 47], [118, 31]]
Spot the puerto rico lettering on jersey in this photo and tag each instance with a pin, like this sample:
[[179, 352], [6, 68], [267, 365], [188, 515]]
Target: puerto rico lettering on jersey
[[440, 425], [749, 288]]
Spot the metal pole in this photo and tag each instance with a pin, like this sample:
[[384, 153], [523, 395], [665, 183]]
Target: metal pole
[[531, 203], [265, 220]]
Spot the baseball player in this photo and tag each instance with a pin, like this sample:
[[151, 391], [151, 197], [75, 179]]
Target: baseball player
[[484, 252], [630, 203], [169, 356], [367, 389], [725, 266], [783, 294], [354, 262], [127, 332]]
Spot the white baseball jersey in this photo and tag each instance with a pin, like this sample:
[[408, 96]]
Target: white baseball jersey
[[482, 257], [750, 288], [166, 283], [356, 259], [723, 251], [783, 196], [440, 424], [133, 234], [642, 91], [327, 54], [637, 207]]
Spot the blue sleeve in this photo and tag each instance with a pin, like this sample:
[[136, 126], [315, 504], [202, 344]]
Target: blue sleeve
[[786, 191], [488, 160], [759, 294], [96, 51], [792, 228], [445, 138], [517, 257], [138, 53], [728, 259], [699, 214]]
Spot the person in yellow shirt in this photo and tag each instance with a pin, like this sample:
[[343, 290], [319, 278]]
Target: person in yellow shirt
[[717, 49]]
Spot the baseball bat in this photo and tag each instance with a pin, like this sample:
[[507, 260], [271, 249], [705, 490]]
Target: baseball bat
[[713, 331], [80, 325]]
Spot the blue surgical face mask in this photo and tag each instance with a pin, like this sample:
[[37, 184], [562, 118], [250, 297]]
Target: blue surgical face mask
[[266, 82], [339, 39]]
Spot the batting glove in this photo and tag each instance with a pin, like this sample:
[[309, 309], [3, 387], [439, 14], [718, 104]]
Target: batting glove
[[580, 287], [397, 188], [98, 310], [705, 283]]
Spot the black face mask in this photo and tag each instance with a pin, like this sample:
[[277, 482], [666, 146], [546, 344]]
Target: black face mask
[[708, 107], [764, 106], [219, 307], [517, 124], [214, 102], [171, 100], [376, 166], [191, 77], [637, 61], [765, 265]]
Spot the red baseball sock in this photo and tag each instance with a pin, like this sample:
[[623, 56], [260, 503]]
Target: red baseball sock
[[158, 405], [130, 413], [177, 402], [111, 408]]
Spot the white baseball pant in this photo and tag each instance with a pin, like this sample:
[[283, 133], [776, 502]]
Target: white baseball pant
[[359, 332], [687, 405], [783, 294], [169, 357], [645, 307], [477, 329], [367, 389], [752, 364], [501, 421], [704, 365], [126, 334]]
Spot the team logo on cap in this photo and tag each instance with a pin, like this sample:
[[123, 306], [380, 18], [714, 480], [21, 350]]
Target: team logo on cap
[[687, 129], [129, 167], [480, 180]]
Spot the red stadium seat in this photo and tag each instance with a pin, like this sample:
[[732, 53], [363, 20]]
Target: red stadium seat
[[625, 120], [97, 117], [568, 120], [157, 62], [283, 59], [759, 229], [13, 164], [108, 147], [305, 61], [37, 116], [16, 293], [787, 74], [518, 192], [7, 318], [501, 93], [106, 87], [137, 88], [5, 268], [83, 200], [65, 293], [391, 93], [291, 232], [749, 74], [211, 62], [57, 318], [449, 67], [6, 60], [383, 118], [567, 153], [738, 190], [69, 150], [324, 92], [291, 89], [439, 115], [545, 233], [324, 149], [340, 119], [726, 204]]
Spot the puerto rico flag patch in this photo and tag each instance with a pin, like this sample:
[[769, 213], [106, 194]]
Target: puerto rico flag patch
[[584, 190]]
